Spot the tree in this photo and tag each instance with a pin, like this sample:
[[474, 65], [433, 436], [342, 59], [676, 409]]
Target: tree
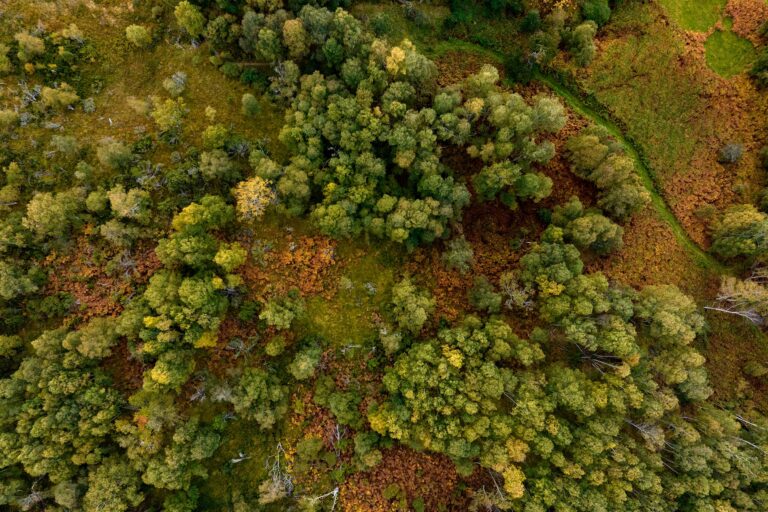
[[182, 459], [95, 340], [169, 114], [588, 230], [253, 196], [458, 254], [58, 98], [411, 307], [747, 298], [230, 256], [260, 396], [113, 154], [551, 263], [138, 36], [176, 83], [29, 46], [595, 157], [483, 296], [216, 166], [56, 411], [13, 282], [112, 485], [51, 215], [582, 43], [296, 38], [741, 231], [131, 205], [596, 232], [596, 10], [5, 62], [446, 394], [303, 365], [730, 153], [189, 18], [281, 311], [250, 105]]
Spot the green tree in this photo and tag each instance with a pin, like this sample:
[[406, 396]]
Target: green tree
[[582, 43], [740, 232], [113, 154], [303, 365], [260, 396], [189, 18], [458, 254], [446, 394], [250, 105], [50, 215], [411, 307], [183, 458], [95, 340], [597, 158], [138, 36], [483, 296], [112, 485]]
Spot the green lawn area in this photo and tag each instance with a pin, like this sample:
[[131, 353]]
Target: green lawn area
[[728, 54], [698, 15]]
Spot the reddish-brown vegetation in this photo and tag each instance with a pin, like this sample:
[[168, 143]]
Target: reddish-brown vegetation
[[427, 476], [748, 16], [303, 263], [81, 272]]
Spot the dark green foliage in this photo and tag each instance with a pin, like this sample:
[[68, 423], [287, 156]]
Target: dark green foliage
[[411, 307], [518, 66], [587, 230], [759, 71], [531, 22], [483, 296], [56, 410], [596, 10]]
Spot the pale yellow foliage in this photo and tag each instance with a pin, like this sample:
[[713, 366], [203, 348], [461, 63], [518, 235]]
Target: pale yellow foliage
[[253, 196]]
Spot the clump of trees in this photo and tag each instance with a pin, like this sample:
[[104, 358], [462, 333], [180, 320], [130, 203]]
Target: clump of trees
[[571, 27], [587, 230], [594, 156], [479, 393], [364, 129]]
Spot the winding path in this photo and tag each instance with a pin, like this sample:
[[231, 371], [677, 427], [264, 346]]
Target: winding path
[[646, 175]]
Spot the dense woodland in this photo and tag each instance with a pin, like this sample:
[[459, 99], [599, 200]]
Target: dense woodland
[[285, 255]]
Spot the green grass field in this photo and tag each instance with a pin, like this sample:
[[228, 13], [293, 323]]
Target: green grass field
[[698, 15], [728, 54]]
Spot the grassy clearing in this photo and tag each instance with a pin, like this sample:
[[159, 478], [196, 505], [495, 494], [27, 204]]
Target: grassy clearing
[[347, 319], [640, 79], [698, 15], [728, 54]]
